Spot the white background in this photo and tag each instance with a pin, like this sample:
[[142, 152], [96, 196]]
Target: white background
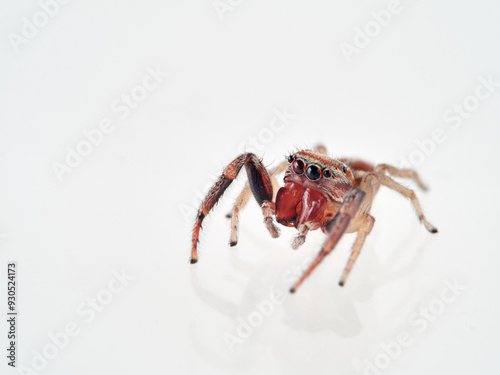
[[130, 204]]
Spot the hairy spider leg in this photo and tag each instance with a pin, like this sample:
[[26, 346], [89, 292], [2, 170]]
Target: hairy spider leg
[[238, 205], [243, 198], [404, 173], [370, 183], [363, 222], [260, 185], [410, 194], [336, 228], [364, 230]]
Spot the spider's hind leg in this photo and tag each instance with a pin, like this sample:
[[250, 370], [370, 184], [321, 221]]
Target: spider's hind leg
[[404, 173], [410, 194]]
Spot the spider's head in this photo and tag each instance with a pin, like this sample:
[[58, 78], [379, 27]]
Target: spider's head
[[315, 185]]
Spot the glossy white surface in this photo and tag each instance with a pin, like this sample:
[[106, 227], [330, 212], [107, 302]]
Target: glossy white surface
[[129, 205]]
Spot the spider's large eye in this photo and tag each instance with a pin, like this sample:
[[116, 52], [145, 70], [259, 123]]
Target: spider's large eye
[[298, 166], [313, 173]]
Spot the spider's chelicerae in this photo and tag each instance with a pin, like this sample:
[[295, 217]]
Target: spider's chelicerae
[[320, 192]]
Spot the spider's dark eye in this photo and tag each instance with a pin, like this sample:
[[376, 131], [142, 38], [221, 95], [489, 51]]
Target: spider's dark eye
[[313, 172], [298, 166], [344, 169], [290, 158], [327, 173]]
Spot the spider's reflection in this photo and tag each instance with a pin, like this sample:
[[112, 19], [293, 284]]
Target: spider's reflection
[[317, 309]]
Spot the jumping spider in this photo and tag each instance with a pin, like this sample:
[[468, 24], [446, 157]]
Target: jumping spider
[[320, 192]]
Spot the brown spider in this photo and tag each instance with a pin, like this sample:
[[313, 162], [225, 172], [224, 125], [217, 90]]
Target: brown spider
[[319, 192]]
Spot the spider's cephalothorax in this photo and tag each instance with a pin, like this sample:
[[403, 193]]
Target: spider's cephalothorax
[[318, 192], [315, 185]]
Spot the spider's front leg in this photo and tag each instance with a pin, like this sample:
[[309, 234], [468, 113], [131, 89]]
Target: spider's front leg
[[243, 198], [336, 228], [260, 185]]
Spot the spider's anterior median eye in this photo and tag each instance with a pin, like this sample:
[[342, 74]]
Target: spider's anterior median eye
[[313, 172], [298, 166]]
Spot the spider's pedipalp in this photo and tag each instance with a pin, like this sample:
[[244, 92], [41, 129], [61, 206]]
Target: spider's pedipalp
[[301, 237], [298, 241], [268, 210]]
